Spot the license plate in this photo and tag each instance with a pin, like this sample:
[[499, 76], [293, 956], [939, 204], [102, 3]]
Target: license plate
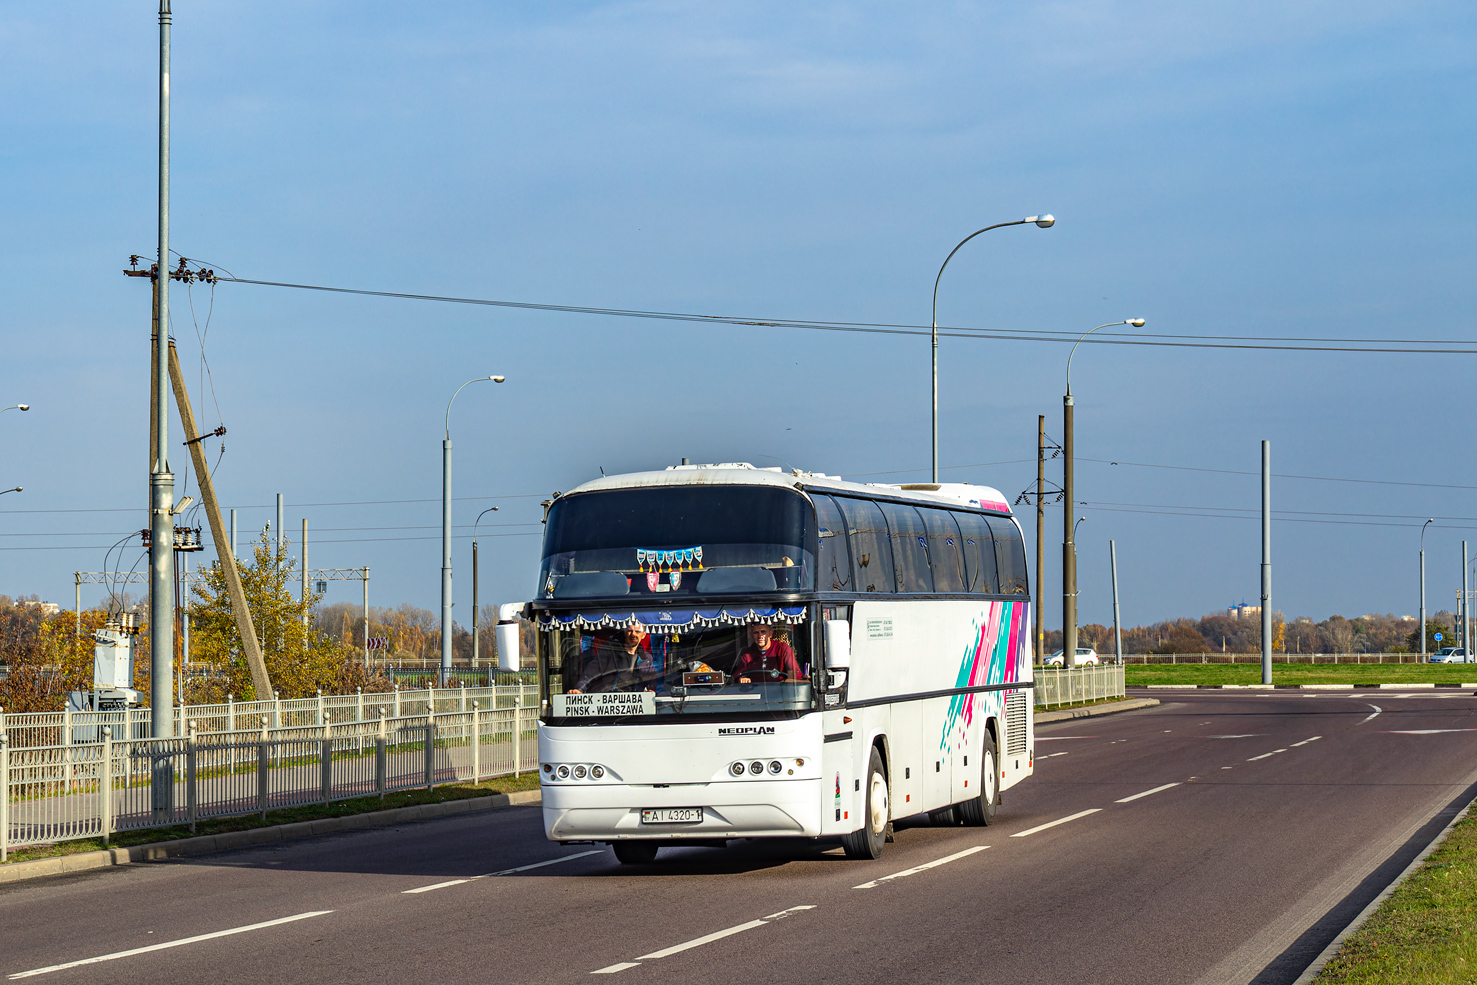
[[672, 815]]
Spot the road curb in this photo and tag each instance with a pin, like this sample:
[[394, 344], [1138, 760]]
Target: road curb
[[62, 864], [1314, 969], [1294, 687], [1092, 711]]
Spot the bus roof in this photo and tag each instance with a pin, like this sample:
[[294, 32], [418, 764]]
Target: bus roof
[[742, 473]]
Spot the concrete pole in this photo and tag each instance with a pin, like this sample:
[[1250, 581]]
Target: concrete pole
[[281, 531], [1423, 589], [303, 592], [1069, 549], [1117, 626], [1040, 537], [161, 480], [366, 616], [445, 559], [233, 534], [77, 586], [1462, 609], [1266, 562], [474, 605]]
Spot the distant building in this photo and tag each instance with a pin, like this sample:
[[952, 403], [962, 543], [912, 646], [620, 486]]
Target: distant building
[[1244, 611], [47, 608]]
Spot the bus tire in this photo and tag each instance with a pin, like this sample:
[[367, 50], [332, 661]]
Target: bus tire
[[980, 811], [635, 852], [876, 814], [944, 817]]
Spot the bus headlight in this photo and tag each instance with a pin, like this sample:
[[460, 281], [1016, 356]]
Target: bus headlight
[[563, 772], [775, 767], [756, 767], [579, 772], [737, 769], [596, 772]]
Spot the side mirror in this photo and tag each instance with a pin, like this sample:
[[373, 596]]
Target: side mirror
[[837, 634], [508, 647]]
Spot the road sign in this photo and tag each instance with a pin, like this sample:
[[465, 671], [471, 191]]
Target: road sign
[[1436, 637], [377, 642]]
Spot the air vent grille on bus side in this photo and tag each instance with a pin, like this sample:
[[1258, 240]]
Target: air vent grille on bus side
[[1015, 724]]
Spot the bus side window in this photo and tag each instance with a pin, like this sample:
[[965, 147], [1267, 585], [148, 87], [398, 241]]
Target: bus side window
[[869, 544], [909, 548], [944, 551], [1011, 552], [979, 553], [833, 567]]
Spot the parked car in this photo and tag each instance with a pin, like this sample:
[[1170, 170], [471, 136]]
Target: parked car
[[1085, 655], [1450, 655]]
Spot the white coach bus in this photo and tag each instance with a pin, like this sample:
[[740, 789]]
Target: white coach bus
[[730, 652]]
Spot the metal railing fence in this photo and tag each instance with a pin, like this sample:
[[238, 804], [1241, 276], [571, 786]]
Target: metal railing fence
[[95, 789], [61, 728], [1256, 658], [1073, 685]]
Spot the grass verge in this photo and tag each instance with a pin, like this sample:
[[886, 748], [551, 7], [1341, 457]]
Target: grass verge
[[1426, 932], [1192, 674], [290, 815]]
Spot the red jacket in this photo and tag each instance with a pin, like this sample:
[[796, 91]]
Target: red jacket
[[779, 657]]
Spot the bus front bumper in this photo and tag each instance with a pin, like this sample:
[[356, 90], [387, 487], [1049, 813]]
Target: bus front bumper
[[613, 812]]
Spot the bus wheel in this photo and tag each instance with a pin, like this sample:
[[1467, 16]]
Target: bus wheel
[[981, 810], [868, 842], [944, 818], [635, 852]]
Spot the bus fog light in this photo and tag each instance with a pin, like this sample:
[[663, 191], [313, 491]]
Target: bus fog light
[[564, 772], [596, 772], [756, 767], [579, 772], [548, 768], [737, 769], [775, 767]]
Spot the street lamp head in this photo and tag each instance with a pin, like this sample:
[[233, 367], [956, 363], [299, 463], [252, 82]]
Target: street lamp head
[[1044, 221], [497, 379], [1135, 322], [22, 406]]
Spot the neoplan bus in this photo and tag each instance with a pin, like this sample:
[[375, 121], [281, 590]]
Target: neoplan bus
[[729, 652]]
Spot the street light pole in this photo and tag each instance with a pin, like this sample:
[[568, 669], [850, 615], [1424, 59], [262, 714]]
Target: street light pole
[[490, 509], [1044, 222], [1117, 626], [1423, 588], [21, 407], [1069, 547], [446, 531], [161, 480]]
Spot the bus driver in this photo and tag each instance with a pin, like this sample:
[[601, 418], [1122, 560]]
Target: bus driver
[[766, 657]]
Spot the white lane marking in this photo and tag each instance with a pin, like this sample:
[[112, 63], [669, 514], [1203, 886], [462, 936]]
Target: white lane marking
[[1053, 755], [612, 969], [717, 935], [1265, 755], [166, 944], [1062, 738], [540, 865], [1052, 824], [1427, 731], [1146, 793], [1248, 735], [786, 912], [439, 885], [919, 868], [1306, 741], [1377, 710]]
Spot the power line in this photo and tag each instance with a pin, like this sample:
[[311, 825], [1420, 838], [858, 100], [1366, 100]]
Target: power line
[[885, 328], [1281, 475]]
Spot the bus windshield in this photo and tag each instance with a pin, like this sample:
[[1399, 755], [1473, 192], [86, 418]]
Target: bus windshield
[[627, 674], [678, 541]]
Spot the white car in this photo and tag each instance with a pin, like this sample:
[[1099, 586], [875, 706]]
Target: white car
[[1086, 655], [1450, 655]]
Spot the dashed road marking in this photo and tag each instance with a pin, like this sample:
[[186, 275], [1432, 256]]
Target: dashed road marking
[[1306, 741], [439, 885], [540, 865], [1146, 793], [1052, 824], [166, 944], [1265, 755], [700, 941], [920, 868]]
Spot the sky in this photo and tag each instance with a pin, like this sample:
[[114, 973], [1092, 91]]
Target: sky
[[1249, 169]]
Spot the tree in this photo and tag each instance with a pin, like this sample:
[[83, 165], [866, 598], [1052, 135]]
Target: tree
[[299, 660]]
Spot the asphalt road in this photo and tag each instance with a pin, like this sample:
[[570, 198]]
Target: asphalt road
[[1217, 838]]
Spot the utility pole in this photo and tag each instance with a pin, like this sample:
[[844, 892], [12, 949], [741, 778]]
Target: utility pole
[[161, 480], [1266, 562], [281, 531], [1069, 549], [233, 534], [366, 617], [1423, 588], [303, 593], [474, 605], [1040, 536], [1117, 625], [1462, 612]]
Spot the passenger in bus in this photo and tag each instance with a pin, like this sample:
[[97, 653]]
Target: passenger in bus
[[765, 658], [618, 664]]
